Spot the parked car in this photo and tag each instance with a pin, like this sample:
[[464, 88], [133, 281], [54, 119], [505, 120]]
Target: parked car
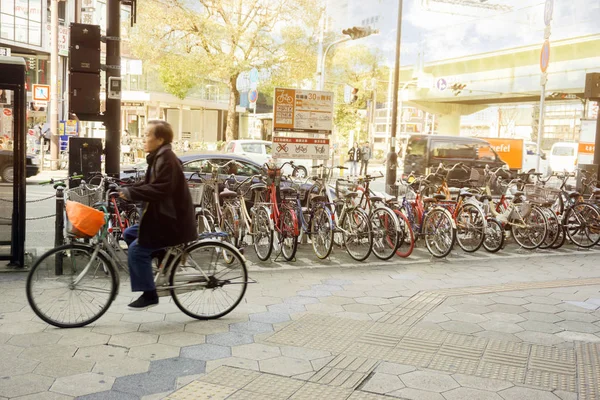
[[259, 151], [563, 157], [424, 152], [7, 169]]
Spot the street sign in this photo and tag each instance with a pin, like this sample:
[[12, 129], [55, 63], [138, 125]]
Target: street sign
[[300, 148], [253, 76], [4, 51], [545, 56], [7, 112], [253, 96], [41, 92], [441, 84], [303, 111], [587, 139], [548, 11]]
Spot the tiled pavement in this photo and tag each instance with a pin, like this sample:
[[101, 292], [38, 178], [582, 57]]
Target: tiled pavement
[[518, 328]]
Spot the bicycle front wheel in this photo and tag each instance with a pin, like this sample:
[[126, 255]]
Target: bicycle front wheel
[[470, 228], [321, 232], [79, 295], [439, 232], [386, 233], [407, 242], [287, 234], [262, 234], [357, 234], [206, 286], [553, 226], [230, 225], [494, 236], [530, 230], [582, 224]]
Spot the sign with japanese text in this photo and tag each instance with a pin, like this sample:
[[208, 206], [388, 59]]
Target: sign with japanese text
[[587, 141], [63, 39], [300, 148], [308, 111]]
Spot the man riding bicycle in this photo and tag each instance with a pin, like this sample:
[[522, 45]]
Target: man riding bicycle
[[167, 213]]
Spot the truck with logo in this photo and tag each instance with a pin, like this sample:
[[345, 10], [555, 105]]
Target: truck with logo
[[519, 154]]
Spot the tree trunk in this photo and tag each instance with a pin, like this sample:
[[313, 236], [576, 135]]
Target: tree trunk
[[232, 132]]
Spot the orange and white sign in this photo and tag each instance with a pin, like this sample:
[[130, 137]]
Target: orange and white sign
[[509, 150], [300, 148], [587, 141], [41, 93], [309, 111]]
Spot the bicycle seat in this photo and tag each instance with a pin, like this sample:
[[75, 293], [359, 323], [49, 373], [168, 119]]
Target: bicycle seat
[[319, 199], [439, 196], [429, 200], [288, 191], [376, 199], [351, 195], [574, 195], [466, 194], [519, 193], [258, 186], [484, 197], [227, 194], [454, 191]]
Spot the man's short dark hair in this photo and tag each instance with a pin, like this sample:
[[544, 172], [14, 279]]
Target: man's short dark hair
[[162, 130]]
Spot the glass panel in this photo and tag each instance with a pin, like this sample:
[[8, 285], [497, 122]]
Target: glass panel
[[35, 33], [7, 24], [35, 10], [252, 148], [21, 8], [6, 163], [21, 30], [7, 7]]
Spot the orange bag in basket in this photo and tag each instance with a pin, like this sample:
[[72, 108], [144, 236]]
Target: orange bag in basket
[[85, 221]]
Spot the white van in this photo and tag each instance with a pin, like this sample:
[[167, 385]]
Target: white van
[[563, 157]]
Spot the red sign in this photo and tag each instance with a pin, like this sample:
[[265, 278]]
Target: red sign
[[7, 112], [545, 56], [586, 148]]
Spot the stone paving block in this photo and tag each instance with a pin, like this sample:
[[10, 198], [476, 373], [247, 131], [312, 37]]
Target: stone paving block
[[10, 366], [538, 326], [583, 305], [540, 338], [161, 327], [337, 282], [382, 383], [82, 384], [541, 317], [303, 353], [102, 352], [86, 339], [394, 368], [543, 308], [361, 308], [231, 377], [469, 393], [133, 339], [508, 308], [469, 308], [487, 384], [319, 363], [517, 301], [274, 386], [522, 393], [508, 337], [285, 366], [247, 395], [314, 293], [563, 395], [584, 327], [33, 339], [269, 317], [50, 351], [460, 327], [467, 317], [63, 366], [235, 362], [142, 317], [578, 316], [44, 396], [286, 308], [578, 336], [229, 339], [21, 327], [373, 300], [109, 395], [501, 326], [155, 351], [416, 394], [505, 317], [311, 391], [205, 352], [543, 300], [429, 381], [121, 366], [8, 350], [256, 351], [207, 327], [251, 327], [27, 384], [326, 287], [181, 339], [116, 328], [201, 391]]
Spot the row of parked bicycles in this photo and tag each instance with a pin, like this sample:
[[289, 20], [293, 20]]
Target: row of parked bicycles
[[274, 213]]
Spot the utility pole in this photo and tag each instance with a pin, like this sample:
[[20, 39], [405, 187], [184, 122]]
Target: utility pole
[[54, 95], [112, 120], [392, 157]]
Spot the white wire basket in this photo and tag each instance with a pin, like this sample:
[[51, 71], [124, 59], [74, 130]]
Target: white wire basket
[[197, 193], [85, 194], [537, 194]]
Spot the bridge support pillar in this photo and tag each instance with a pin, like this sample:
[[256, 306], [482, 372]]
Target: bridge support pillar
[[448, 122]]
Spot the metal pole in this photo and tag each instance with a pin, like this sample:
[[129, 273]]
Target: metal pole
[[324, 59], [59, 226], [540, 126], [54, 85], [112, 120], [392, 158]]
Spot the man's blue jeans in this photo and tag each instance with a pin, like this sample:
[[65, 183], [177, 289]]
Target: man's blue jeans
[[140, 261]]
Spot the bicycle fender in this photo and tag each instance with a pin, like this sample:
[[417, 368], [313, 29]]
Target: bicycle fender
[[213, 241]]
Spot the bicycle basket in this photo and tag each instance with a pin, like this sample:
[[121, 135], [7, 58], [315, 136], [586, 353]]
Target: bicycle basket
[[83, 221], [477, 179], [197, 192], [535, 194], [84, 194]]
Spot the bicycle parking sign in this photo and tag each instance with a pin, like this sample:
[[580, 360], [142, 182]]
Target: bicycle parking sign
[[308, 111], [300, 148]]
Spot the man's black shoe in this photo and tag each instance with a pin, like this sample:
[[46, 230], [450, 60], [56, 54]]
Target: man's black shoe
[[144, 302]]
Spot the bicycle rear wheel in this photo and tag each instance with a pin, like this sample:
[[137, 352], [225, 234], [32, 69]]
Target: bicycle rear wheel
[[262, 234], [69, 300], [204, 285], [321, 232], [582, 224], [439, 232], [386, 233], [494, 236], [407, 242], [553, 228], [287, 234], [230, 225], [357, 234], [530, 230], [470, 229]]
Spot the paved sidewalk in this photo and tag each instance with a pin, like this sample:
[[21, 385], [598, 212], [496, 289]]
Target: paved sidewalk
[[496, 328]]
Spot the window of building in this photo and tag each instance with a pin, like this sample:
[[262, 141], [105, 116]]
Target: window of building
[[21, 21]]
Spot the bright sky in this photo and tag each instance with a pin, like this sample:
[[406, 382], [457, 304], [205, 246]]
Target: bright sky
[[441, 32]]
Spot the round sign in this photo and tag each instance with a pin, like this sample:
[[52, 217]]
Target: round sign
[[442, 84], [253, 96], [545, 56], [548, 11], [7, 112]]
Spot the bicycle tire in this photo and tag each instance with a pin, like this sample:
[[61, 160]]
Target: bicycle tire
[[288, 236], [561, 239], [439, 232], [494, 236], [261, 229], [553, 227], [588, 215], [365, 232], [230, 225], [531, 239], [321, 232], [45, 260], [188, 271], [470, 221], [386, 233], [407, 244]]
